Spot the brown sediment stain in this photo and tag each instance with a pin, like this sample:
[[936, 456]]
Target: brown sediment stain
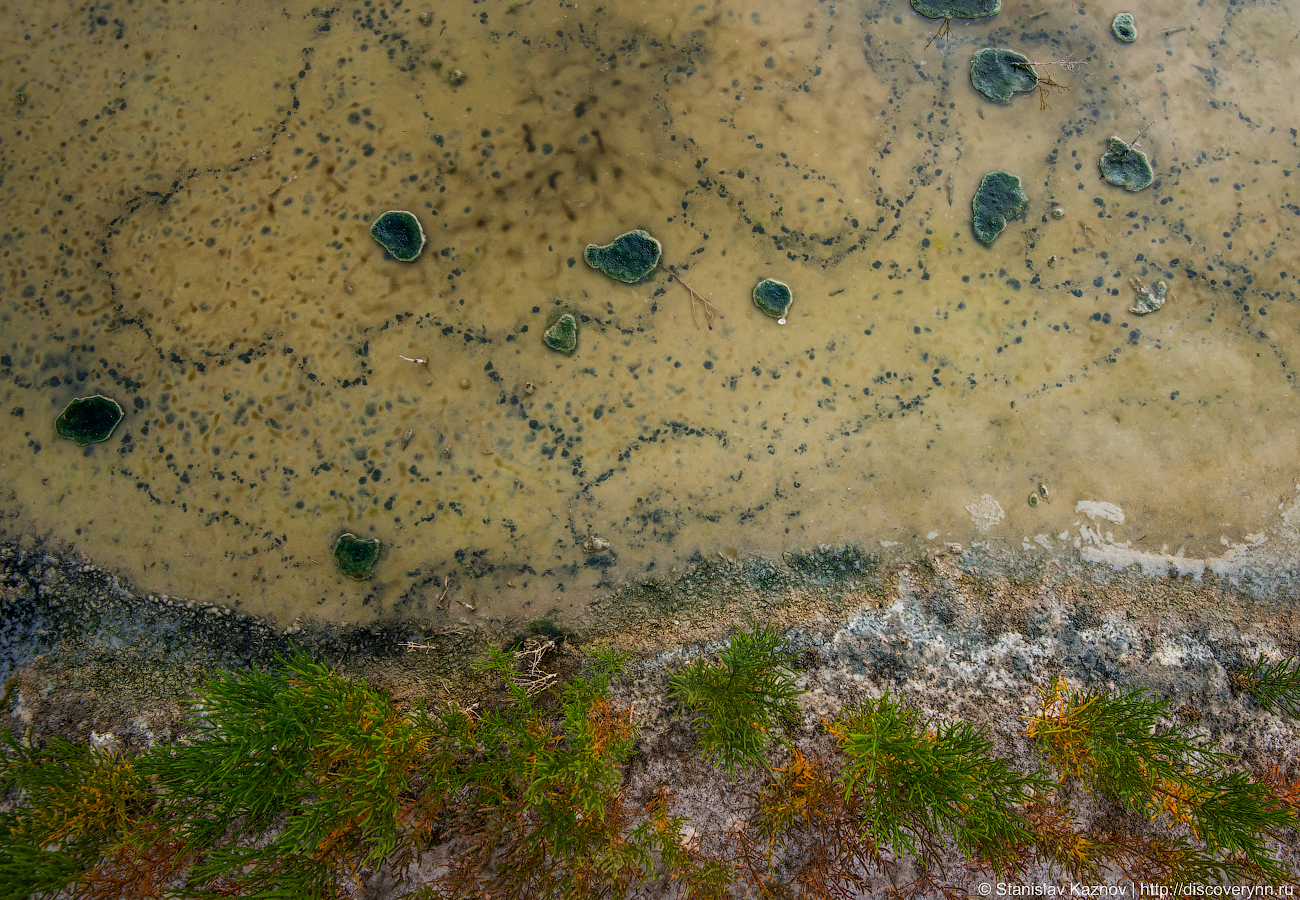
[[188, 195]]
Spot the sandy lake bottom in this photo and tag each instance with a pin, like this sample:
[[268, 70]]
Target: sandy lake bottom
[[189, 187]]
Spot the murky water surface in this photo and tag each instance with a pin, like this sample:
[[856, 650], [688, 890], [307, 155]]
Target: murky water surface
[[188, 188]]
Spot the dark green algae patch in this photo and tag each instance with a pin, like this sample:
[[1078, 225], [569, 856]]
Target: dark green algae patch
[[628, 258], [1124, 28], [356, 556], [88, 420], [998, 73], [399, 232], [1125, 166], [998, 199], [957, 9], [773, 297], [562, 335]]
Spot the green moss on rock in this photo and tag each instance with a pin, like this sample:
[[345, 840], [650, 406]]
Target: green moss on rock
[[1124, 28], [773, 297], [629, 258], [998, 199], [562, 335], [399, 232], [1125, 166], [957, 9], [88, 420], [356, 556], [998, 73]]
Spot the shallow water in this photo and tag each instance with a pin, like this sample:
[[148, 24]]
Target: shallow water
[[189, 187]]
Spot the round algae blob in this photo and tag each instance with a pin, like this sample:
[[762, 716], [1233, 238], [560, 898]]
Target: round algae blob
[[563, 335], [629, 258], [88, 420], [356, 556], [957, 9], [1125, 166], [998, 73], [773, 297], [1124, 28], [998, 198], [399, 232]]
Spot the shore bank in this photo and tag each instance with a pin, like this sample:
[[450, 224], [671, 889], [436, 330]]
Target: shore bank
[[968, 634]]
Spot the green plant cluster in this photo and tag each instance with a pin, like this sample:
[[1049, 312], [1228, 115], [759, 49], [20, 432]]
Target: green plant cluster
[[918, 782], [293, 782], [1274, 685], [739, 700], [1116, 745]]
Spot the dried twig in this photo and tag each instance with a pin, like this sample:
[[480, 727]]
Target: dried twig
[[529, 660], [709, 309], [1133, 144], [292, 177], [1045, 81], [1045, 84], [945, 31]]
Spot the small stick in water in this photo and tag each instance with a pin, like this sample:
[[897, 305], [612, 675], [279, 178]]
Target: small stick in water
[[709, 309]]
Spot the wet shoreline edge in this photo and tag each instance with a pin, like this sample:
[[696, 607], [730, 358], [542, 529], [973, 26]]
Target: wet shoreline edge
[[64, 614]]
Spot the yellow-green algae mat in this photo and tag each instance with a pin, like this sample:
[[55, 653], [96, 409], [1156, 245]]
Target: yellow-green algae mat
[[189, 187]]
